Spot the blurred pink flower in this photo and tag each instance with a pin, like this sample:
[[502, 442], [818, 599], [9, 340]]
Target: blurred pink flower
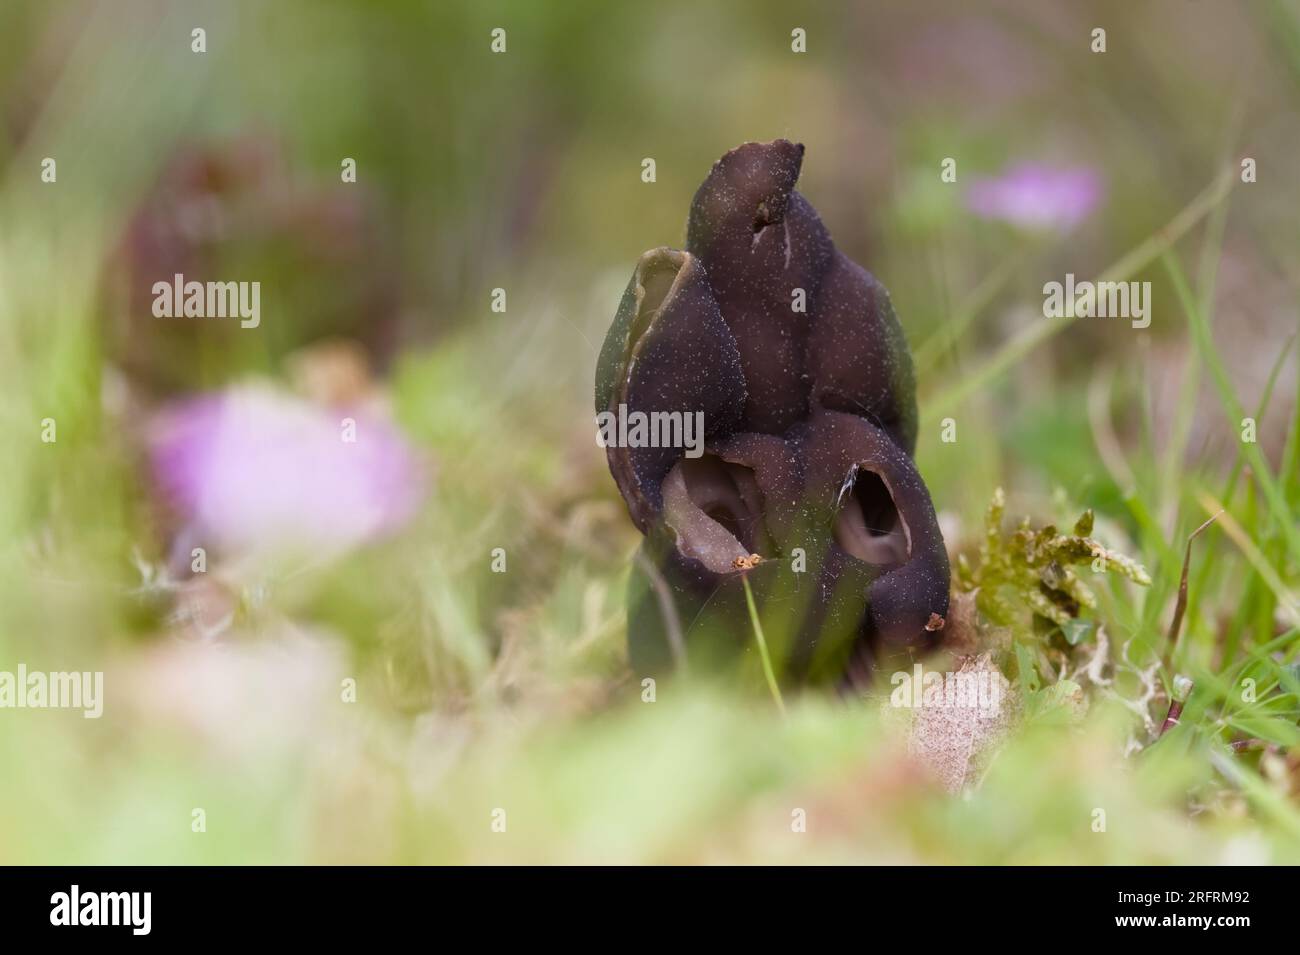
[[1037, 196], [255, 471]]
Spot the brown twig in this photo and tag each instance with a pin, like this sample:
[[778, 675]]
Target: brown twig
[[1182, 689], [1176, 625], [1242, 745]]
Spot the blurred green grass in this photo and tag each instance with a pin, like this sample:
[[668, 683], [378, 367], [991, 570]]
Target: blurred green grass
[[480, 691]]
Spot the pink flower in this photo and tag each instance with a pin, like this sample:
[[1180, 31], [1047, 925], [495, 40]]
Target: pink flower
[[1037, 197], [257, 472]]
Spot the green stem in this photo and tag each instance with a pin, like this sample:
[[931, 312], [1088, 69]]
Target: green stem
[[762, 646]]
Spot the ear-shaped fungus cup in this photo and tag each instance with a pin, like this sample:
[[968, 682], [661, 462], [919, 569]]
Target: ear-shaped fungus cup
[[760, 241], [883, 518], [667, 351]]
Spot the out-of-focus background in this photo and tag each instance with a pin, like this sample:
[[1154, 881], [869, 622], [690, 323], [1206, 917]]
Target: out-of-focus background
[[390, 650]]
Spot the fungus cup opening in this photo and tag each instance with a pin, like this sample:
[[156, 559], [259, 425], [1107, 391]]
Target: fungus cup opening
[[715, 508], [657, 275], [868, 524]]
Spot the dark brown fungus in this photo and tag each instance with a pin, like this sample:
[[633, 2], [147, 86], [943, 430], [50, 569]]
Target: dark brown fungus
[[794, 359]]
